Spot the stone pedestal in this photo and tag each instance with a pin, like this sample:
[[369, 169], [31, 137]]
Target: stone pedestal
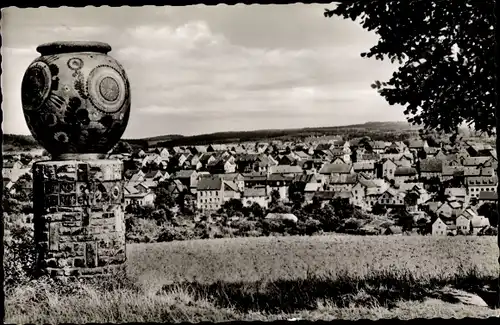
[[79, 217]]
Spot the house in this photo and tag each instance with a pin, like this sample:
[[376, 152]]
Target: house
[[311, 166], [378, 146], [261, 147], [236, 178], [365, 192], [163, 153], [342, 182], [417, 189], [480, 184], [403, 160], [206, 159], [450, 172], [366, 167], [301, 155], [391, 199], [339, 160], [403, 174], [139, 197], [324, 197], [221, 165], [442, 228], [459, 193], [335, 169], [416, 145], [199, 149], [310, 189], [155, 175], [188, 177], [449, 209], [429, 168], [255, 179], [137, 177], [479, 162], [393, 230], [464, 221], [286, 170], [280, 183], [14, 169], [287, 160], [176, 188], [342, 145], [255, 195], [488, 197], [478, 223], [216, 147], [245, 163], [478, 149], [212, 192], [369, 156], [385, 168]]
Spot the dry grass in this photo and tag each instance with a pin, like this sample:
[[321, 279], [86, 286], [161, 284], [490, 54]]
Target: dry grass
[[271, 279], [291, 258], [126, 305]]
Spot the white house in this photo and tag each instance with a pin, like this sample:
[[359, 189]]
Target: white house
[[440, 228], [140, 198], [255, 195]]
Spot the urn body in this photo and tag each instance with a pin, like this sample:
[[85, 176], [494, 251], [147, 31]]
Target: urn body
[[76, 98]]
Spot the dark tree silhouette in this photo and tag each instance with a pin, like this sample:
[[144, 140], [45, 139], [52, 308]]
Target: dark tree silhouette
[[122, 147], [446, 51], [489, 211], [439, 89]]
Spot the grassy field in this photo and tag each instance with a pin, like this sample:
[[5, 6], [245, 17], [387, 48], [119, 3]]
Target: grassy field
[[291, 258], [270, 278]]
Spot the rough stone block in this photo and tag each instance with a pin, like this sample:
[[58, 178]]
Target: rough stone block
[[44, 236], [67, 217], [92, 271], [79, 262], [67, 247], [51, 262], [72, 224], [103, 261], [54, 236], [61, 263], [91, 254], [56, 272], [64, 231], [67, 199]]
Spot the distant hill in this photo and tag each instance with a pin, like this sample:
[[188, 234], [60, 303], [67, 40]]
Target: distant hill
[[17, 142], [376, 130], [152, 141]]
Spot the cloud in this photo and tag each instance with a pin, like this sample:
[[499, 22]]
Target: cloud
[[199, 69]]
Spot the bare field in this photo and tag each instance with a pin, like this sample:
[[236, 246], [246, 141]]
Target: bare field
[[290, 258], [271, 278]]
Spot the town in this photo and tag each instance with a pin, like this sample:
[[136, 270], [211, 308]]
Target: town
[[444, 188]]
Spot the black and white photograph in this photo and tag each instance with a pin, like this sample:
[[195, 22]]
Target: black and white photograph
[[250, 162]]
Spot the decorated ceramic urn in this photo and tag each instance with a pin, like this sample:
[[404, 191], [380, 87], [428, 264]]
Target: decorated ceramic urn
[[76, 99]]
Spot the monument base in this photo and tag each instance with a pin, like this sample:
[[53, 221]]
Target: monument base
[[79, 223]]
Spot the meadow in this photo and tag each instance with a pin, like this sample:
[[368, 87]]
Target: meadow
[[297, 257], [272, 278]]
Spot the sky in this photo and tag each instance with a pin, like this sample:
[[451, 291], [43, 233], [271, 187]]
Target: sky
[[203, 69]]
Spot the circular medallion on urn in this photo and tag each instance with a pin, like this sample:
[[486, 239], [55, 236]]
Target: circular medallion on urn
[[76, 98]]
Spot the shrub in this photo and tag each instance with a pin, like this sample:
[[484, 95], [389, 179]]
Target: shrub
[[19, 253]]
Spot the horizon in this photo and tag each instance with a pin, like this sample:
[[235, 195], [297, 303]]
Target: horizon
[[200, 69], [239, 131]]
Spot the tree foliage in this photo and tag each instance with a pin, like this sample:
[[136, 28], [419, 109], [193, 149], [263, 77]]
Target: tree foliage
[[440, 88]]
